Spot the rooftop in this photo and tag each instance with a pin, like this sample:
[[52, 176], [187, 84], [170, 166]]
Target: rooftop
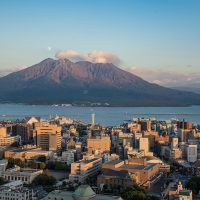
[[185, 192], [139, 167], [113, 162]]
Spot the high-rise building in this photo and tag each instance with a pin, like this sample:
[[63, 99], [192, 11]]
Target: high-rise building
[[144, 145], [48, 136], [24, 130], [184, 125], [3, 132], [192, 153], [145, 124]]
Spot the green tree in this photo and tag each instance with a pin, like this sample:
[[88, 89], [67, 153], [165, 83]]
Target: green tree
[[2, 181], [64, 183], [50, 165], [19, 162], [42, 165], [11, 163], [44, 180], [60, 166], [134, 192], [194, 184], [42, 158], [32, 164]]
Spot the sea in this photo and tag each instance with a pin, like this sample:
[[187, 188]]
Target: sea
[[106, 116]]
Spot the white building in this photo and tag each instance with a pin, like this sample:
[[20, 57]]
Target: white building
[[3, 165], [174, 143], [85, 168], [15, 191], [25, 175], [144, 145], [192, 153], [68, 156]]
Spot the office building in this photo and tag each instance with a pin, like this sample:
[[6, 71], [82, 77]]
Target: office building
[[24, 130], [128, 172], [9, 140], [3, 131], [184, 125], [99, 144], [85, 168], [144, 145], [68, 156], [48, 136]]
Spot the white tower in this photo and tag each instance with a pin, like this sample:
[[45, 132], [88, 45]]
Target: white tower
[[93, 116]]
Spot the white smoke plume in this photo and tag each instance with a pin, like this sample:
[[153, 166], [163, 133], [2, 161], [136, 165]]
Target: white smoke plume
[[94, 56]]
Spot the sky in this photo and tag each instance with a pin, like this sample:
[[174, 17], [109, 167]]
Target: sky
[[158, 40]]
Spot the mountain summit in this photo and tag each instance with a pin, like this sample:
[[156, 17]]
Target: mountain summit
[[84, 83]]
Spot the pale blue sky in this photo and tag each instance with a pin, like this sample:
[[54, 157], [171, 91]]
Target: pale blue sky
[[151, 34]]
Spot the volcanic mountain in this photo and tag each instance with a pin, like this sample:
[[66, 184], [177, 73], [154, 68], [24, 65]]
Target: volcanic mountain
[[84, 83]]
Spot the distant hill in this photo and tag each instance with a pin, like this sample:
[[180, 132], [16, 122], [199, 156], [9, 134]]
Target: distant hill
[[83, 83], [189, 88]]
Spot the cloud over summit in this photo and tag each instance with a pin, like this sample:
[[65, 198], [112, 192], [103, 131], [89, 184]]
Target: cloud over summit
[[94, 56]]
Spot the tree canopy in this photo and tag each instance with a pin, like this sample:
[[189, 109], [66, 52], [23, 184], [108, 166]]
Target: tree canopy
[[44, 180], [194, 184], [135, 192]]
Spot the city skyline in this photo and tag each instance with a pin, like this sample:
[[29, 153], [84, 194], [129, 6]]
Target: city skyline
[[157, 40]]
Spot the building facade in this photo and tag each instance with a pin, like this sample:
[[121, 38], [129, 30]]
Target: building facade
[[18, 174]]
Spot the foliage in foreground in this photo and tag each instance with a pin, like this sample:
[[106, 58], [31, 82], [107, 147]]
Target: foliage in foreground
[[44, 180], [135, 192], [194, 184]]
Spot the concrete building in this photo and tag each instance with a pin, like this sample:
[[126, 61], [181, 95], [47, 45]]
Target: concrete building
[[174, 143], [25, 175], [85, 168], [183, 134], [3, 165], [144, 145], [48, 136], [9, 140], [68, 156], [145, 124], [99, 143], [15, 191], [27, 154], [124, 173], [24, 130], [3, 131], [184, 125], [192, 153]]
